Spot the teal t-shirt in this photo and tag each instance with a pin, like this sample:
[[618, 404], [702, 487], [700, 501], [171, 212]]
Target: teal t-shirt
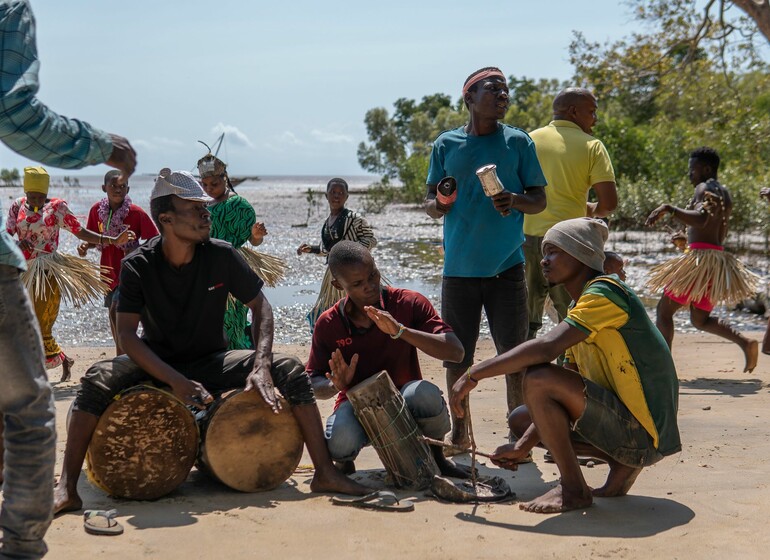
[[478, 241]]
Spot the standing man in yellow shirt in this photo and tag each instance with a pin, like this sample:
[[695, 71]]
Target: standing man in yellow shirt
[[573, 162]]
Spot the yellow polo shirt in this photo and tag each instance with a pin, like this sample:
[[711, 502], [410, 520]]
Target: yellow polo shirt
[[572, 162]]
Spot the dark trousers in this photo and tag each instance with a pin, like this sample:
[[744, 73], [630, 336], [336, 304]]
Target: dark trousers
[[504, 300], [216, 372]]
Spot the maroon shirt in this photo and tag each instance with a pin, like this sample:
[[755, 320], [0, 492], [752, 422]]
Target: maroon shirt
[[137, 221], [376, 350]]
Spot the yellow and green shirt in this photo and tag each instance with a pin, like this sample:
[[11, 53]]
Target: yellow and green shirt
[[626, 354]]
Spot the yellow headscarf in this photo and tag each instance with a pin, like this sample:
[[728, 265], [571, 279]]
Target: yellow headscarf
[[36, 179]]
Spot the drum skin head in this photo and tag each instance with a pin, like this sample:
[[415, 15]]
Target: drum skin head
[[247, 446], [144, 445]]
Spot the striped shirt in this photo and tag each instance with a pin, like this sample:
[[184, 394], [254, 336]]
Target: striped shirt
[[27, 126]]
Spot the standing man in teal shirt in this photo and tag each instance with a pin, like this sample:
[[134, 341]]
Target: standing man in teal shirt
[[483, 237], [26, 401]]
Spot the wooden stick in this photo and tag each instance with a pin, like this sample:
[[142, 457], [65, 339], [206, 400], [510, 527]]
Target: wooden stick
[[457, 448]]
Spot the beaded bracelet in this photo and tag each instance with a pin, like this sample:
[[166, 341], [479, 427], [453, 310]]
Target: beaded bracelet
[[401, 329]]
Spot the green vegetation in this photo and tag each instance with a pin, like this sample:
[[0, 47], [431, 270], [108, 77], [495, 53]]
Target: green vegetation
[[692, 78], [10, 177]]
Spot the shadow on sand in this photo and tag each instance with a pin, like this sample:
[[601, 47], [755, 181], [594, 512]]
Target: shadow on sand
[[626, 517], [731, 387], [198, 495]]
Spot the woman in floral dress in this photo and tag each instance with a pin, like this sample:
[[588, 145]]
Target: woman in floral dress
[[36, 220]]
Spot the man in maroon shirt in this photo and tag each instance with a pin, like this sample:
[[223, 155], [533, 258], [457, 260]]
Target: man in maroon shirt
[[110, 216], [377, 328]]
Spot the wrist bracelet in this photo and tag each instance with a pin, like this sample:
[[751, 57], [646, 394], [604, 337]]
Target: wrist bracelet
[[401, 329], [468, 374]]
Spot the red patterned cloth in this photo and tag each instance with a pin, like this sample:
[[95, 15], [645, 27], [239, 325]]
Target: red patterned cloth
[[41, 228]]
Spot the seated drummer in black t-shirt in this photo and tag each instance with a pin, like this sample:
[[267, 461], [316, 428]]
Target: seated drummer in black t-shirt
[[177, 285]]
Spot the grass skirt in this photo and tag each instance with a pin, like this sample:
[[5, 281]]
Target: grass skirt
[[271, 269], [715, 274], [79, 280], [328, 295]]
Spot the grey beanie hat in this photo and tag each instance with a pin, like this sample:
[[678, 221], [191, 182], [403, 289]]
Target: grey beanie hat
[[582, 238]]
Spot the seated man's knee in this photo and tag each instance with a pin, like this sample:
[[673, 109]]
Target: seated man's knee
[[536, 378], [423, 398], [519, 421], [345, 436], [342, 447]]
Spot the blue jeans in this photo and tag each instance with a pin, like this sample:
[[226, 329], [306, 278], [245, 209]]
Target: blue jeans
[[346, 437], [27, 405]]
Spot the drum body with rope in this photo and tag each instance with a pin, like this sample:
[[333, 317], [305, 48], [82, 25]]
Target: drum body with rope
[[245, 445], [393, 432], [144, 445]]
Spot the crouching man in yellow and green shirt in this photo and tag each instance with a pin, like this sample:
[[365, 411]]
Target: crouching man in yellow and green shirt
[[616, 399]]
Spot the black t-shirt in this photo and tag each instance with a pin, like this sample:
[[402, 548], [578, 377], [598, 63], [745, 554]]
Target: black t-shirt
[[182, 311]]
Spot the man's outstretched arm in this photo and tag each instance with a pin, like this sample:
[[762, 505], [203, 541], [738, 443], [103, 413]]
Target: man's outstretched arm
[[29, 127]]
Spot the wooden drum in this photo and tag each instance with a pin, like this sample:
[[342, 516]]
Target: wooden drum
[[245, 445], [382, 411], [144, 445]]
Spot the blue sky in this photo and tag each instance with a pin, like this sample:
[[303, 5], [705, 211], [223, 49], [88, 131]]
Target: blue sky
[[289, 81]]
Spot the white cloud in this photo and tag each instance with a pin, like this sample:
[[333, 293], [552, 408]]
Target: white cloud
[[159, 143], [288, 137], [330, 137], [232, 134]]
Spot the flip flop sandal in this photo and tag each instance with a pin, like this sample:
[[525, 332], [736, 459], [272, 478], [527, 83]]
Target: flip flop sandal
[[381, 500], [101, 522]]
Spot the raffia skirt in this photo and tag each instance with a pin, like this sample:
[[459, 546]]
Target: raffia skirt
[[702, 273]]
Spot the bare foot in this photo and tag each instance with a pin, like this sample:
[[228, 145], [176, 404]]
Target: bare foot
[[619, 481], [751, 351], [558, 500], [66, 366], [332, 480], [446, 467], [64, 501]]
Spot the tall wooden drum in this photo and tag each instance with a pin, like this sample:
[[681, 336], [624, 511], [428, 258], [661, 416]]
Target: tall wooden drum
[[382, 411], [144, 445], [246, 446]]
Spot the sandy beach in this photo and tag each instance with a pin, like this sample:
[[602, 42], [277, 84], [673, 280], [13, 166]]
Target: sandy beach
[[711, 500]]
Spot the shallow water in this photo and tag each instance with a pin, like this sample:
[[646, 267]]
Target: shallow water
[[408, 253]]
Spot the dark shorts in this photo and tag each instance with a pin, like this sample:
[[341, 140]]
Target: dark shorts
[[504, 300], [217, 372], [110, 297], [609, 426]]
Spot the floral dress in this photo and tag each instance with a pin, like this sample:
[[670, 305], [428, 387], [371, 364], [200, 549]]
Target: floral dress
[[41, 229]]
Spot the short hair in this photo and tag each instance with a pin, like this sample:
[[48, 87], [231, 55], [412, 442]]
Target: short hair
[[706, 155], [159, 206], [110, 175], [612, 255], [337, 181], [570, 96], [347, 253]]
